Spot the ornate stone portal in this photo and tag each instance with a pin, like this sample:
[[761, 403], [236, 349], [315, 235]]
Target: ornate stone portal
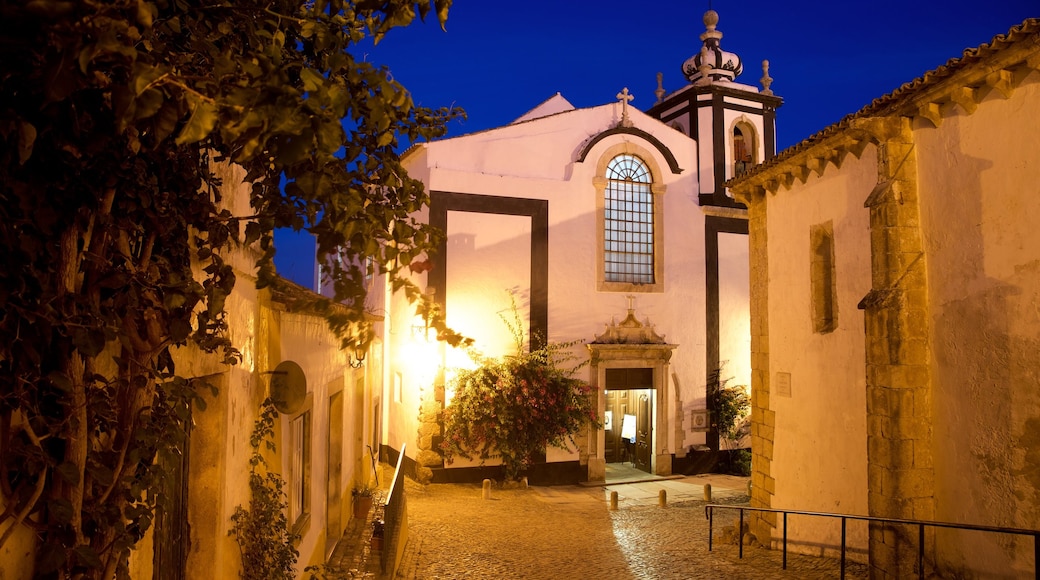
[[631, 344]]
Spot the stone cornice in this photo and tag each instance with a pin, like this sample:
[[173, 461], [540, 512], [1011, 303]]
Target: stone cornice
[[961, 83]]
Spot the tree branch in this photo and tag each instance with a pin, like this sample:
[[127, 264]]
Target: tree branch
[[37, 492]]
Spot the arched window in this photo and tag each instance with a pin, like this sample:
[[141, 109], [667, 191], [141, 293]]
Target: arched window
[[628, 222], [743, 148]]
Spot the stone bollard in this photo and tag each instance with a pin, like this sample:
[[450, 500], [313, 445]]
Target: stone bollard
[[486, 493], [613, 501], [662, 498], [707, 492]]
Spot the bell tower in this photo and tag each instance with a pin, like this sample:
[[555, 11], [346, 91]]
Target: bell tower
[[734, 124]]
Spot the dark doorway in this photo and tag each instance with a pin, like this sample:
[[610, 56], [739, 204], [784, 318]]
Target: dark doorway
[[171, 538]]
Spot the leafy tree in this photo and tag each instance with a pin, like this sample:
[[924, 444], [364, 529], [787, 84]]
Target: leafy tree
[[731, 405], [514, 407], [118, 122]]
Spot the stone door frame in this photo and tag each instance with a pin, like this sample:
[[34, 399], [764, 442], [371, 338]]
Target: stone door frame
[[619, 356]]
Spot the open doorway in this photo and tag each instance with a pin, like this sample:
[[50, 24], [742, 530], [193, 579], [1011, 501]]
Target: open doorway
[[628, 420]]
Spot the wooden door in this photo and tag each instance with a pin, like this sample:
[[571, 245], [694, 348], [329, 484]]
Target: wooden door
[[644, 430], [334, 506], [614, 448]]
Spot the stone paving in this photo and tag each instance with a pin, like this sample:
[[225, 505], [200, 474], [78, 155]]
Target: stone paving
[[569, 532]]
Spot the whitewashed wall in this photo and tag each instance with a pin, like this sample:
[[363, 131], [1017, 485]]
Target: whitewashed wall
[[537, 159], [820, 450]]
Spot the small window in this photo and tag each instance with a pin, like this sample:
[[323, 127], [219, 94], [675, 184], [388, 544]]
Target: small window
[[628, 252], [822, 279], [743, 146], [299, 468]]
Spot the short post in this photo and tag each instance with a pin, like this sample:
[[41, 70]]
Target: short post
[[749, 487], [613, 501], [662, 498], [707, 492], [486, 493]]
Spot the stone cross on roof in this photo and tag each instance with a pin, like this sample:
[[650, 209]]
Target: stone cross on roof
[[624, 97]]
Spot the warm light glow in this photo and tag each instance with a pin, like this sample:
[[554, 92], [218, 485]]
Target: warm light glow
[[456, 359]]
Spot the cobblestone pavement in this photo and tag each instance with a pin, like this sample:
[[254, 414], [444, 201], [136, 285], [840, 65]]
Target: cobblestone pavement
[[570, 533]]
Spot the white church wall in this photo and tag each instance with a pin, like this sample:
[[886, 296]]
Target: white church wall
[[537, 159], [979, 211], [818, 387], [490, 257], [734, 308]]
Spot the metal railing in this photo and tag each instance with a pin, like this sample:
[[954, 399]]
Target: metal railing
[[395, 522], [709, 513]]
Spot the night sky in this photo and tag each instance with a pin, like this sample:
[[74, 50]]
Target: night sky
[[500, 59]]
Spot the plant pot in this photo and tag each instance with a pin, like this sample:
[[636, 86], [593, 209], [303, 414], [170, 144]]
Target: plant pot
[[362, 503]]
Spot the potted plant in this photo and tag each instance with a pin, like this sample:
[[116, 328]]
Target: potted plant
[[362, 495], [377, 534]]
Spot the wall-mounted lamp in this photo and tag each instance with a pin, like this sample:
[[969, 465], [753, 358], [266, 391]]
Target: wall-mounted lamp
[[357, 358], [420, 332]]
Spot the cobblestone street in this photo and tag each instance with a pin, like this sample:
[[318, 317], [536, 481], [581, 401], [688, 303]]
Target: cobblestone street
[[570, 532]]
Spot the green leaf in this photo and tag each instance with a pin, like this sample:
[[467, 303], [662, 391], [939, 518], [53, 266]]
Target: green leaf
[[60, 380], [89, 341], [26, 139], [86, 556], [61, 510], [179, 330], [252, 232], [312, 80], [200, 124], [68, 472]]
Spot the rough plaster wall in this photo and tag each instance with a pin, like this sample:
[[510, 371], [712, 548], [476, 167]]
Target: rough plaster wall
[[979, 211], [307, 341], [820, 451]]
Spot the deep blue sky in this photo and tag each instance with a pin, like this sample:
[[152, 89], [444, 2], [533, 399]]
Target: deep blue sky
[[499, 59]]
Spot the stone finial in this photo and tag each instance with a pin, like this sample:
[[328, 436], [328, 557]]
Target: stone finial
[[624, 97], [766, 80], [660, 87], [704, 68]]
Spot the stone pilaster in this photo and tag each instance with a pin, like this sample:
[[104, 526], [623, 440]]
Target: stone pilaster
[[431, 430], [763, 419], [899, 390]]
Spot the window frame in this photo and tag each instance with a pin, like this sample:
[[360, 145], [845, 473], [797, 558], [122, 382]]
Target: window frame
[[300, 456], [657, 189], [823, 285]]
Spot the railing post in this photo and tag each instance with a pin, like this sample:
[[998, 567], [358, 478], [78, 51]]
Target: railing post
[[785, 540], [1036, 556], [920, 551], [842, 547], [740, 534], [711, 516]]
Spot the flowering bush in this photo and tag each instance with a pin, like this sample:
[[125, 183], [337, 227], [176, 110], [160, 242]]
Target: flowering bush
[[514, 407]]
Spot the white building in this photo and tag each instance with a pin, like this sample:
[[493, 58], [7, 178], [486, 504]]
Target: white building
[[610, 226]]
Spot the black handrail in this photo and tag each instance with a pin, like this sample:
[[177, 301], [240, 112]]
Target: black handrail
[[395, 517], [709, 513]]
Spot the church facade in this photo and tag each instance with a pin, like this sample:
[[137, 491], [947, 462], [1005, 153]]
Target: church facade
[[895, 276], [608, 226]]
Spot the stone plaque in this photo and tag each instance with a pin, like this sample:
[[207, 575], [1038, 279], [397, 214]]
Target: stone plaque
[[783, 384]]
